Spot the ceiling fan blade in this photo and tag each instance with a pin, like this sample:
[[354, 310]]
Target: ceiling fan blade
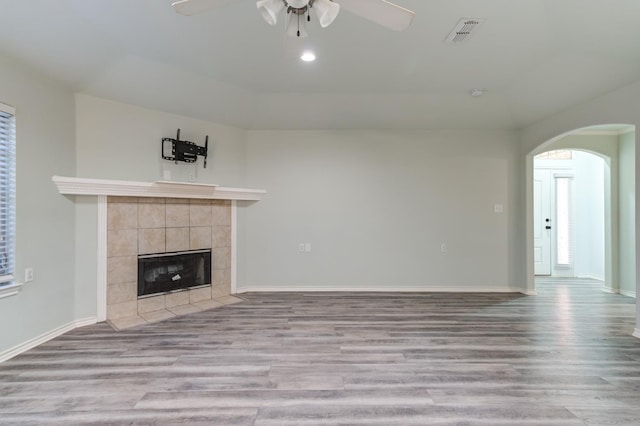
[[381, 12], [193, 7]]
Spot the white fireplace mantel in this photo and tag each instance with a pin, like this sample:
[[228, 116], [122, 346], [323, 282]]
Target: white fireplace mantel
[[167, 189]]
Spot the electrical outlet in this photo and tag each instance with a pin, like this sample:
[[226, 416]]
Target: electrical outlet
[[443, 248], [498, 208], [304, 247], [28, 275]]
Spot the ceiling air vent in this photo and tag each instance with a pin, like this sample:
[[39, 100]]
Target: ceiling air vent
[[463, 30]]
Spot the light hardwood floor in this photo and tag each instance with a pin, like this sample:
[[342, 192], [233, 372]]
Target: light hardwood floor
[[564, 357]]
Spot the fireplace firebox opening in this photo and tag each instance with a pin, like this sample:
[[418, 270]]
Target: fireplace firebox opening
[[161, 273]]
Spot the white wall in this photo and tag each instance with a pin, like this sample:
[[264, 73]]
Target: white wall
[[86, 245], [627, 214], [121, 141], [45, 132], [588, 215], [376, 207], [620, 106]]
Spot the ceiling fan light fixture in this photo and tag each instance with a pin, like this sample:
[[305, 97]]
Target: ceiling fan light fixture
[[326, 11], [381, 12], [270, 10], [297, 25], [297, 4]]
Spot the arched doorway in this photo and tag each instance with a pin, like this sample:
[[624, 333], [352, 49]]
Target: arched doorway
[[616, 144]]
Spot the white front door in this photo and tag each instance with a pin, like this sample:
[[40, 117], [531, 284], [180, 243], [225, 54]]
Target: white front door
[[542, 222]]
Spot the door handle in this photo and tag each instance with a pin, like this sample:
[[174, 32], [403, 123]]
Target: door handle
[[547, 227]]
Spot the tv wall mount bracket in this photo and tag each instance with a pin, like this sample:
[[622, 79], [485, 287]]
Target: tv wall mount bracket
[[177, 150]]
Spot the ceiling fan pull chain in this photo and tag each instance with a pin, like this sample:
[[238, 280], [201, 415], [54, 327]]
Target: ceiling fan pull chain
[[298, 15]]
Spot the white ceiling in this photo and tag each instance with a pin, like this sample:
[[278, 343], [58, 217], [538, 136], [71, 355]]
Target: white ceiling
[[533, 57]]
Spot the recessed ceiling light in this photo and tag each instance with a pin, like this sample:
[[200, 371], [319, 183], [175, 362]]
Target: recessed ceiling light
[[308, 57]]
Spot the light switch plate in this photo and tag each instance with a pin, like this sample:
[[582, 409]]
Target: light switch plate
[[28, 275]]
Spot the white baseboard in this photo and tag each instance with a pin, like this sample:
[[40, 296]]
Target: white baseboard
[[45, 337], [387, 289], [529, 292], [636, 333], [590, 277], [610, 290], [629, 293], [85, 321]]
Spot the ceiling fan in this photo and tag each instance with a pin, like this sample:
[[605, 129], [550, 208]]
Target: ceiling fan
[[381, 12]]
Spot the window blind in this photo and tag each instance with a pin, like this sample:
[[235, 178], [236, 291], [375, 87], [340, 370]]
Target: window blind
[[7, 193]]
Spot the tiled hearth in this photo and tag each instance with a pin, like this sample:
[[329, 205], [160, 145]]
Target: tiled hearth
[[148, 225]]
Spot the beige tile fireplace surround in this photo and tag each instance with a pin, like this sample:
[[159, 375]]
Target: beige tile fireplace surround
[[137, 218], [138, 226]]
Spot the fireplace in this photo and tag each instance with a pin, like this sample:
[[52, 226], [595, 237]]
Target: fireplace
[[149, 227], [140, 218], [162, 273]]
